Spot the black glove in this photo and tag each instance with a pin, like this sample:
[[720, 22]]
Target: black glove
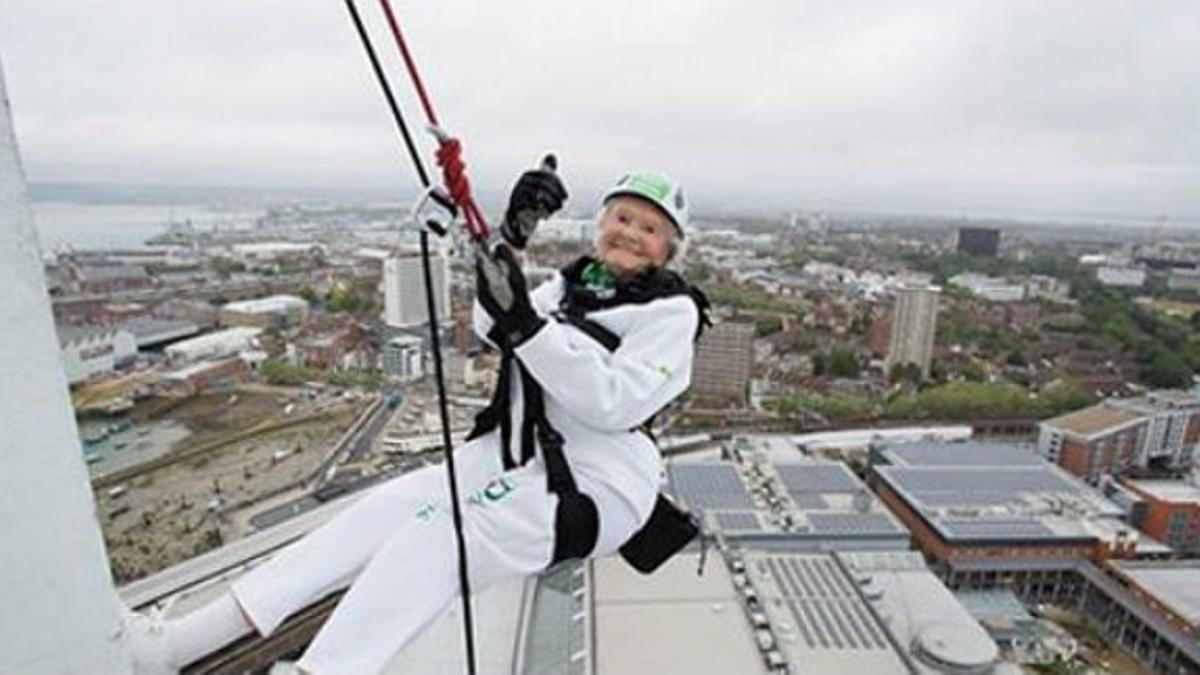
[[537, 194], [501, 289]]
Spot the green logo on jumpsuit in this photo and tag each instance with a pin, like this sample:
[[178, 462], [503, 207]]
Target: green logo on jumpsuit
[[495, 491]]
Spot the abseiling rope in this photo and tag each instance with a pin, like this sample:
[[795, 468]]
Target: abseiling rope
[[454, 177], [449, 152]]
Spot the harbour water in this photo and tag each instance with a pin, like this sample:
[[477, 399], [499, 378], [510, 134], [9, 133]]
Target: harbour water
[[80, 226]]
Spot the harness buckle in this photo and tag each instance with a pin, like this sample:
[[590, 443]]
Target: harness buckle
[[548, 437], [433, 210]]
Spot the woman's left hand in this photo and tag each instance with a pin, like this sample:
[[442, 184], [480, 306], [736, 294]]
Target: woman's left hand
[[504, 294]]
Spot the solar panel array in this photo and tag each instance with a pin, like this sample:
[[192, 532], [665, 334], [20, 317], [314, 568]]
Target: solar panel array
[[709, 486], [936, 491], [802, 478], [968, 481], [828, 612], [852, 523], [737, 520]]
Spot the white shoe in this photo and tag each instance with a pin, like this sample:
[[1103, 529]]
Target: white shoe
[[284, 668], [148, 643]]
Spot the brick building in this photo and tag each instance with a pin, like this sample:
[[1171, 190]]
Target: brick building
[[964, 513], [104, 278], [1172, 428], [914, 326], [722, 365], [1092, 442], [1156, 433], [1171, 512], [198, 377], [334, 349]]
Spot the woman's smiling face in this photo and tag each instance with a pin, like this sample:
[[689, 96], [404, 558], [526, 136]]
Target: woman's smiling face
[[633, 236]]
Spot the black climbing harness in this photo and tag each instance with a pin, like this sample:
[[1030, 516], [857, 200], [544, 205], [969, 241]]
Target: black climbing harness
[[576, 527]]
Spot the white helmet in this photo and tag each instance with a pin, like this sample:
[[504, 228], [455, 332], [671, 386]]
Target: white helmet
[[660, 191]]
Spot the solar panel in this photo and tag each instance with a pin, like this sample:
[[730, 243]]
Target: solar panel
[[800, 478], [709, 486], [852, 523], [1016, 479], [827, 611], [809, 501], [737, 520]]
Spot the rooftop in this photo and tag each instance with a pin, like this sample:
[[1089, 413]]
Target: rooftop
[[825, 623], [1093, 420], [149, 331], [1162, 400], [110, 272], [1167, 490], [794, 506], [211, 340], [960, 454], [1003, 503], [671, 622], [857, 438], [270, 305], [1174, 584], [920, 612], [182, 374], [406, 341], [71, 334]]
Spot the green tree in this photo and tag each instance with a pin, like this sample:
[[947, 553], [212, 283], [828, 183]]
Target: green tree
[[1167, 370], [843, 362], [1016, 358], [964, 400], [309, 294], [1063, 397], [973, 371], [225, 266], [341, 298], [278, 371], [768, 326], [905, 372], [820, 362]]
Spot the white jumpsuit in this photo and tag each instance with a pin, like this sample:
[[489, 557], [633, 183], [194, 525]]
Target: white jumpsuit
[[396, 549]]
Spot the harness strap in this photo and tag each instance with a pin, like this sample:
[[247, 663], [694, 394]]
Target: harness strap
[[608, 339], [576, 527], [558, 472], [497, 415], [534, 420]]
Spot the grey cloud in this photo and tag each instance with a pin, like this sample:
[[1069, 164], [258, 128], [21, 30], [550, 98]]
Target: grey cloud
[[1066, 106]]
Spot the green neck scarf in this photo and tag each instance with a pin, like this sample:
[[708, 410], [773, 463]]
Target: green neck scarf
[[597, 277]]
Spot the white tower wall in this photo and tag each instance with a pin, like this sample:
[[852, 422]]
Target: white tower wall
[[60, 612]]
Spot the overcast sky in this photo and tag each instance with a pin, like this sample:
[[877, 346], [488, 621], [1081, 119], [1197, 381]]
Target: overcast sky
[[1086, 107]]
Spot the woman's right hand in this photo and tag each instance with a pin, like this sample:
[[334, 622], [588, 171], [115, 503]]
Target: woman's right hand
[[538, 194]]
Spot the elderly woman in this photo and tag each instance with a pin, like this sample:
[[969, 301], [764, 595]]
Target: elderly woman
[[556, 468]]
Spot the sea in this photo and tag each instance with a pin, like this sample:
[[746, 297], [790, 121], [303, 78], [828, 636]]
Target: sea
[[64, 226]]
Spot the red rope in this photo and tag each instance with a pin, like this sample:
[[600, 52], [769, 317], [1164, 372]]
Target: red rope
[[408, 61], [449, 153]]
